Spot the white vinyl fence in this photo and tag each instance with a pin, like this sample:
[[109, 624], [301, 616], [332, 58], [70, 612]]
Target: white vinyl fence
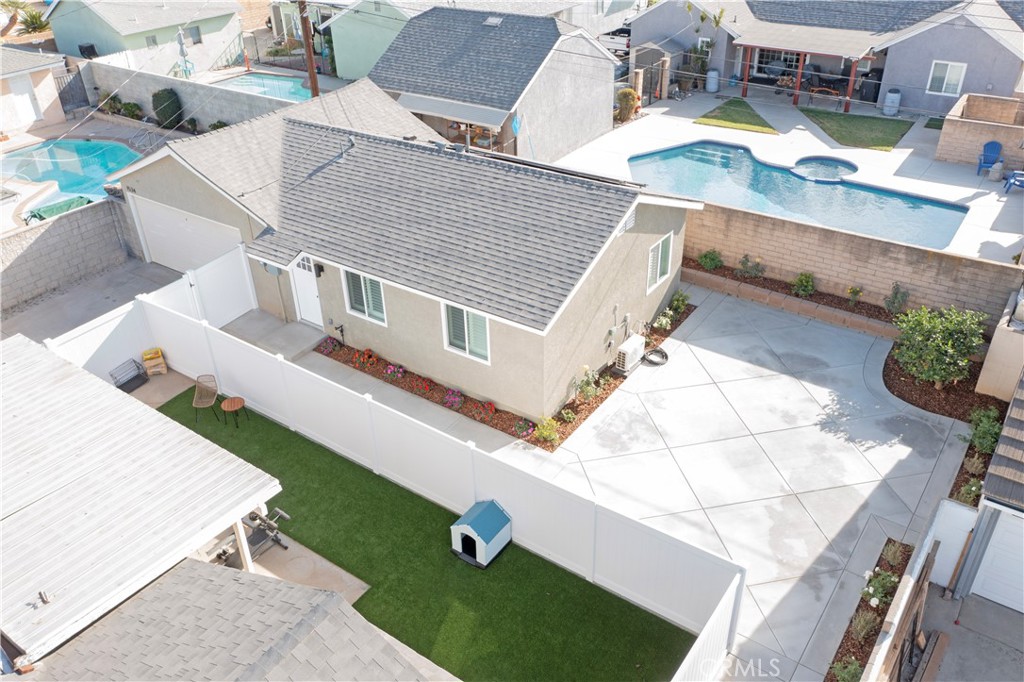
[[682, 583]]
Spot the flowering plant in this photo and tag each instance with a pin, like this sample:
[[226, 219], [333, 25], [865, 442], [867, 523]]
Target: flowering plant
[[421, 386], [854, 293], [328, 345], [881, 587], [364, 359], [453, 399], [393, 372], [524, 428], [483, 412]]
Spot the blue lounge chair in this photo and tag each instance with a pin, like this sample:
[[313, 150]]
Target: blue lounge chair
[[1016, 179], [989, 155]]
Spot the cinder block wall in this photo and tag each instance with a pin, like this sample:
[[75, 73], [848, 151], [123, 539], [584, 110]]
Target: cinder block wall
[[839, 260], [977, 119], [63, 250]]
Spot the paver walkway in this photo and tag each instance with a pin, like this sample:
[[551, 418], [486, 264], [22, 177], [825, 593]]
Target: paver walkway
[[769, 438]]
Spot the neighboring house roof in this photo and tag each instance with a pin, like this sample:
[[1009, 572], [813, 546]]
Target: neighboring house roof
[[199, 621], [14, 61], [453, 54], [100, 494], [411, 8], [505, 237], [128, 17], [876, 16], [1004, 481], [486, 518], [360, 106]]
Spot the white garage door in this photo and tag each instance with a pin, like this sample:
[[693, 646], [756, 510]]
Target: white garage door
[[182, 240], [1001, 575]]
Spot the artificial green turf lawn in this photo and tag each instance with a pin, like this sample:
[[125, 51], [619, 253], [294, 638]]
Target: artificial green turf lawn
[[934, 123], [522, 618], [851, 130], [735, 113]]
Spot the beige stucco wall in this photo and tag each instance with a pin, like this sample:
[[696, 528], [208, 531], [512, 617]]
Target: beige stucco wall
[[414, 337], [615, 289], [273, 292], [46, 95], [1005, 358]]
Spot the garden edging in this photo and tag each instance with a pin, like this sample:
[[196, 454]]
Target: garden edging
[[790, 304]]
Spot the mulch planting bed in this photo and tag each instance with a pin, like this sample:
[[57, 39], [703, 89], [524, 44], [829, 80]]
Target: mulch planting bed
[[777, 285], [482, 411], [861, 649], [954, 400]]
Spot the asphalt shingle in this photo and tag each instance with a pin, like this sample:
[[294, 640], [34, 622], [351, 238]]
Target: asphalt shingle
[[128, 17], [880, 16], [14, 60]]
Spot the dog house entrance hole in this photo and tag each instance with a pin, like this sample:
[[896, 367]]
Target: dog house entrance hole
[[469, 546]]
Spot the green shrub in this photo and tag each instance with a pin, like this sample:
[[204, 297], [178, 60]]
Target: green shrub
[[881, 586], [893, 552], [985, 430], [896, 301], [547, 430], [935, 345], [217, 125], [853, 295], [863, 623], [627, 100], [589, 385], [803, 285], [975, 465], [131, 110], [167, 108], [750, 268], [663, 322], [110, 104], [848, 671], [969, 492], [679, 302], [568, 416], [710, 260], [191, 125]]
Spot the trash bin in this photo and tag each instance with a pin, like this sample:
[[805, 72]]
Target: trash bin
[[891, 104], [995, 173], [713, 80]]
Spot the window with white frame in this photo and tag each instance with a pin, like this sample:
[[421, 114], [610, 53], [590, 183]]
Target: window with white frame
[[704, 45], [658, 262], [195, 35], [365, 296], [151, 41], [946, 78], [466, 332]]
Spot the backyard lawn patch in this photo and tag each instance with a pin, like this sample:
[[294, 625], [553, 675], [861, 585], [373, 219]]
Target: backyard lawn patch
[[851, 130], [735, 113], [934, 123], [521, 619]]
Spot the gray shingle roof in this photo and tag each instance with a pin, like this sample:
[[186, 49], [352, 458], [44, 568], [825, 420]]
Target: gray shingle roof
[[878, 16], [1014, 9], [360, 105], [204, 622], [128, 17], [14, 60], [1005, 478], [506, 238], [451, 54]]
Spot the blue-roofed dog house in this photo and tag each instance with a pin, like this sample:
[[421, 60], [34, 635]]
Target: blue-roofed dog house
[[481, 533]]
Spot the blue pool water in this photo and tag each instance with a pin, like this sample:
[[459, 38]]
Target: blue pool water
[[281, 87], [813, 191], [79, 167]]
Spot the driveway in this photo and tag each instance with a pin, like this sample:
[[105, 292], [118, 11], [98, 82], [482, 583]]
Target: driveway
[[770, 439]]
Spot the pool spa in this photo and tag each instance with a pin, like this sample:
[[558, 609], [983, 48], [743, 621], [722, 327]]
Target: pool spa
[[268, 85], [79, 167], [813, 191]]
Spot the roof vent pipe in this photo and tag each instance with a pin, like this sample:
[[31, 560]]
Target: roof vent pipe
[[441, 146], [459, 148]]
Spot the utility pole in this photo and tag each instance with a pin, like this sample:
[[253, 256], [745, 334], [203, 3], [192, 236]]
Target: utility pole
[[307, 46]]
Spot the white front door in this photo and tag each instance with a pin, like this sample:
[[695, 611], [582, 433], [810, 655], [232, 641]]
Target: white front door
[[1001, 575], [304, 279], [25, 105]]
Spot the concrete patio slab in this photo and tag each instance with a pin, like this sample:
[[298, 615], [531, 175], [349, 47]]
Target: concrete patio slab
[[288, 339], [831, 626], [909, 488], [811, 458], [843, 513], [684, 371], [730, 471], [773, 403], [693, 527], [775, 539], [736, 356], [685, 416], [895, 444], [753, 625], [647, 484], [623, 427], [736, 316], [844, 394], [792, 607], [817, 346]]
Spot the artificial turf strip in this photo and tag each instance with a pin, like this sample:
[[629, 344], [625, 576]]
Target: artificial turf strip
[[868, 132], [735, 113], [523, 618]]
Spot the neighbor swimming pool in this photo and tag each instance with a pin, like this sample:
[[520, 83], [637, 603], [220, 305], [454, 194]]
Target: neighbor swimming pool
[[281, 87], [813, 191], [79, 167]]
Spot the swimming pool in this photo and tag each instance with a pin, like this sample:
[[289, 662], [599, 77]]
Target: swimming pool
[[79, 167], [813, 191], [281, 87]]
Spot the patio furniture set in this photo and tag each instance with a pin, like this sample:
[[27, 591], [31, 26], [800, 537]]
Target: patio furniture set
[[990, 159]]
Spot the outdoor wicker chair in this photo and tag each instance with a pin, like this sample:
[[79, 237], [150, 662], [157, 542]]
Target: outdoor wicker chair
[[206, 394]]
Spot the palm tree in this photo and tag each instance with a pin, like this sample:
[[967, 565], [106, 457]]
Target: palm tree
[[11, 8], [32, 22]]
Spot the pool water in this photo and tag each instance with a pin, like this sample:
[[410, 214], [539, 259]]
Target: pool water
[[281, 87], [813, 191], [79, 167]]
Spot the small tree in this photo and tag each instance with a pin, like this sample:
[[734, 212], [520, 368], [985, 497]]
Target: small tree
[[627, 100], [167, 108], [935, 345], [32, 21]]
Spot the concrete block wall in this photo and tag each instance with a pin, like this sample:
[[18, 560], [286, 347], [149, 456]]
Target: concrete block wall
[[977, 119], [206, 103], [989, 109], [839, 260], [60, 251]]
